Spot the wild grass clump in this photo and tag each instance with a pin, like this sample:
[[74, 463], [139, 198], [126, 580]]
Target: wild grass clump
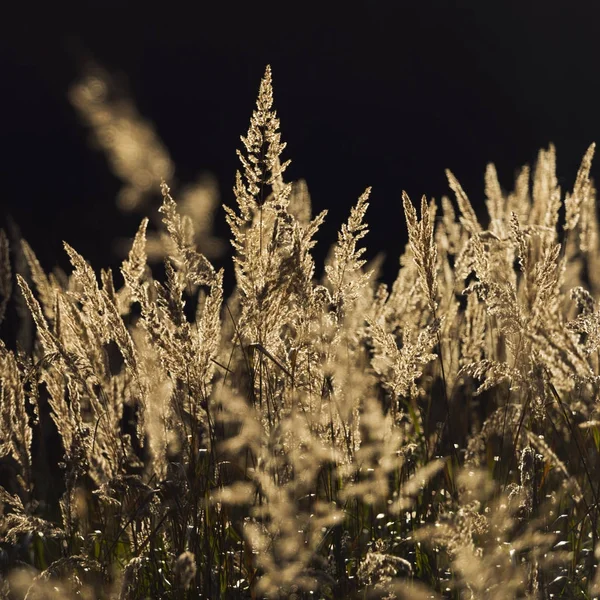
[[308, 438]]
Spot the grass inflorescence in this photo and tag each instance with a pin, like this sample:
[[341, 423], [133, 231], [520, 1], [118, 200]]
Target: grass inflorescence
[[304, 437]]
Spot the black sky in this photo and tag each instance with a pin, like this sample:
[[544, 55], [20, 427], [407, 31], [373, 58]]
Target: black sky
[[386, 94]]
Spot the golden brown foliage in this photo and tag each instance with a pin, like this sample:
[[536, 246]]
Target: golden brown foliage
[[307, 437]]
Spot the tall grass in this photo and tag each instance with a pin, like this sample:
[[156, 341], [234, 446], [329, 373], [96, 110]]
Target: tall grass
[[308, 438]]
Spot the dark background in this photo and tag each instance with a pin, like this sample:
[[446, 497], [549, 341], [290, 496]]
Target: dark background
[[386, 94]]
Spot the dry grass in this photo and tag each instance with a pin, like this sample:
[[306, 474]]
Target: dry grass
[[304, 438]]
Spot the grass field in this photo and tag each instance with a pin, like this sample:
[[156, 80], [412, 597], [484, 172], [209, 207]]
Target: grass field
[[311, 437]]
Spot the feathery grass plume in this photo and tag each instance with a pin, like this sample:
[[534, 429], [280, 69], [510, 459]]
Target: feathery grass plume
[[449, 312], [49, 341], [263, 135], [468, 217], [581, 190], [65, 414], [140, 160], [45, 285], [399, 368], [279, 305], [300, 205], [421, 239], [449, 334], [134, 267], [344, 274], [520, 241], [378, 568], [495, 201], [587, 322], [341, 357], [546, 192], [493, 373], [406, 307], [186, 351], [136, 154], [99, 323], [579, 225], [498, 293], [87, 367], [519, 200], [196, 268], [197, 202], [588, 223], [541, 280], [130, 577], [119, 332], [15, 432], [272, 259], [86, 291], [589, 240], [455, 235], [185, 569], [100, 308], [263, 231]]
